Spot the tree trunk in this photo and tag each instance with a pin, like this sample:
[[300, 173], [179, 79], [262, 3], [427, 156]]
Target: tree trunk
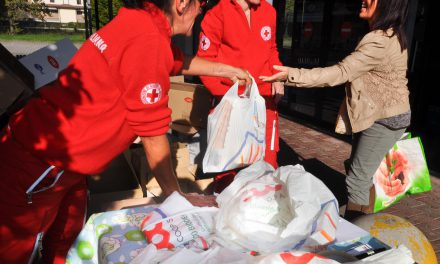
[[11, 26]]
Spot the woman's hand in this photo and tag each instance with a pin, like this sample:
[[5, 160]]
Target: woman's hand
[[277, 91], [236, 74], [194, 65], [280, 76]]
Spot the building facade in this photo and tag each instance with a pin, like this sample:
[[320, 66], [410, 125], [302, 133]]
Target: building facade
[[65, 11]]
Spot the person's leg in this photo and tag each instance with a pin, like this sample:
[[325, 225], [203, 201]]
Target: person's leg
[[67, 224], [22, 223], [27, 218], [272, 136], [370, 147]]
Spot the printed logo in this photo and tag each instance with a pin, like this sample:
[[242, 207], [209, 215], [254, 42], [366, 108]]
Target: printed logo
[[205, 43], [39, 68], [52, 61], [151, 93], [158, 236], [98, 42], [266, 33]]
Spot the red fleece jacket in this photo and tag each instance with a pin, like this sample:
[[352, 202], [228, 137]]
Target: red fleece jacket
[[227, 37], [114, 89]]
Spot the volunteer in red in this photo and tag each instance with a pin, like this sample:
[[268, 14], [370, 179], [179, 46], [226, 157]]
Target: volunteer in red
[[242, 33], [114, 89]]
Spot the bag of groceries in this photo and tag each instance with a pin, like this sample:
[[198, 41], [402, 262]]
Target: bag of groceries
[[236, 130], [267, 210]]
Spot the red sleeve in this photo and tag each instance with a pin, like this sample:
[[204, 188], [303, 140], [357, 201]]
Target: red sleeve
[[178, 59], [209, 42], [274, 57], [145, 67]]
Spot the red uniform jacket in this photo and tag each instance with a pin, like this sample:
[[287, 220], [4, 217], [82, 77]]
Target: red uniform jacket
[[114, 89], [227, 37]]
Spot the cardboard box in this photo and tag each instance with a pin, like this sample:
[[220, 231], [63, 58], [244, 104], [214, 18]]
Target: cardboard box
[[47, 62], [16, 83], [190, 104]]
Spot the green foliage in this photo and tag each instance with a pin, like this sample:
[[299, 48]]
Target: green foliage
[[21, 9], [103, 10]]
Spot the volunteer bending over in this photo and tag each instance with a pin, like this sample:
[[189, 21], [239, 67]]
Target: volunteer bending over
[[377, 100], [242, 33], [114, 89]]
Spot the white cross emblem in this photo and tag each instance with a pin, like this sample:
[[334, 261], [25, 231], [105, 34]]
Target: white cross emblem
[[266, 33], [151, 93]]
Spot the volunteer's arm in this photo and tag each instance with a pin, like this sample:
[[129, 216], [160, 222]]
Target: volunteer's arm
[[277, 87], [157, 150], [210, 39], [200, 66], [158, 154]]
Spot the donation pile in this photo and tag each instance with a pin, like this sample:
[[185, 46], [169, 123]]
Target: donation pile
[[263, 213], [265, 216]]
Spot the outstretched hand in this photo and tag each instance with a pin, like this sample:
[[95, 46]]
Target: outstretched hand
[[280, 76]]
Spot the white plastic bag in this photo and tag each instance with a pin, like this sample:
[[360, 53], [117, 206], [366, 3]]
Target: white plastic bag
[[236, 131], [269, 211]]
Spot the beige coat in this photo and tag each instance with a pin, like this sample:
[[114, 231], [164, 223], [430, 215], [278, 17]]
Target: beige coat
[[375, 74]]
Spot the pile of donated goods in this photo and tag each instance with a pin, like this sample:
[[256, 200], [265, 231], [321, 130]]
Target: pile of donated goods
[[265, 216]]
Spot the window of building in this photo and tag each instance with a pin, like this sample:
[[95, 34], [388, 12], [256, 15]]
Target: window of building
[[78, 2], [79, 12]]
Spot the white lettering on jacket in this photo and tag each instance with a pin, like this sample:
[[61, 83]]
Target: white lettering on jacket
[[98, 42]]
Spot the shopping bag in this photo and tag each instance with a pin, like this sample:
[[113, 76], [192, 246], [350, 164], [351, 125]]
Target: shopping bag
[[236, 131], [267, 210], [402, 172]]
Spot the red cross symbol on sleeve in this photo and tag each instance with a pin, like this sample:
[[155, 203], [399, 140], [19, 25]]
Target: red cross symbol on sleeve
[[151, 93], [266, 33], [205, 42]]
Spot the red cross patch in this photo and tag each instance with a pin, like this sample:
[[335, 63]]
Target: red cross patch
[[205, 43], [266, 33], [151, 93]]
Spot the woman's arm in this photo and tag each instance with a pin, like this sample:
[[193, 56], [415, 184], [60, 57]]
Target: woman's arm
[[199, 66], [368, 54]]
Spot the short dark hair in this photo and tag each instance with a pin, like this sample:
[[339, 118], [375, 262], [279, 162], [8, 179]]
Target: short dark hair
[[392, 14], [164, 5]]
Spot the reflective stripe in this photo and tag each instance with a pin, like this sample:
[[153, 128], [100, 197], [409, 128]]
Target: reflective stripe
[[272, 140], [38, 240], [30, 191]]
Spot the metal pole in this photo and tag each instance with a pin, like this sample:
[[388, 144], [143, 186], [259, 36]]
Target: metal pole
[[110, 10], [86, 20], [96, 14], [89, 17]]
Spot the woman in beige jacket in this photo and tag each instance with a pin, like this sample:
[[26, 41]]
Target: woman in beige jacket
[[376, 101]]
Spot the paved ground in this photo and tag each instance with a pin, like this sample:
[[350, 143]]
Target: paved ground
[[322, 154]]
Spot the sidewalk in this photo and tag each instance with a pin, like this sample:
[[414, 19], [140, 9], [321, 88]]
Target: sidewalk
[[323, 156]]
